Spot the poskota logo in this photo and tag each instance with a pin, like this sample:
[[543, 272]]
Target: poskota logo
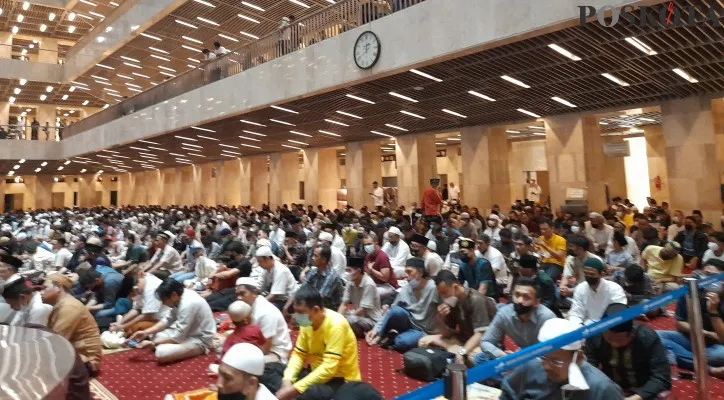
[[659, 16]]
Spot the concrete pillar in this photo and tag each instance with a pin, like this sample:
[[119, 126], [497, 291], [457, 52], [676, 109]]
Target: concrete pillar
[[454, 171], [168, 179], [717, 110], [125, 188], [311, 175], [155, 186], [86, 190], [416, 165], [48, 51], [656, 155], [46, 114], [231, 181], [4, 114], [575, 159], [6, 45], [688, 127], [486, 174], [328, 178], [363, 161], [259, 185], [2, 195], [283, 176], [43, 188], [614, 170]]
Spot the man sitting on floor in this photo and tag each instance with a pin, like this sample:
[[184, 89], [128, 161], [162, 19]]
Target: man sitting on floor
[[591, 297], [379, 269], [73, 321], [108, 299], [326, 342], [562, 374], [632, 356], [664, 265], [187, 331], [245, 331], [240, 374], [361, 301], [147, 309], [520, 321], [278, 280], [463, 316]]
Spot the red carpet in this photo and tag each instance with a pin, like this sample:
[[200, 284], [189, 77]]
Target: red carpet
[[134, 374]]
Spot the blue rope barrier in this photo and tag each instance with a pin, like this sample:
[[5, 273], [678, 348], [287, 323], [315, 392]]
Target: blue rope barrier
[[500, 365]]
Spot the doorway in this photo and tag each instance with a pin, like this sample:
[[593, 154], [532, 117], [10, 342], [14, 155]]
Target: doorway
[[58, 200]]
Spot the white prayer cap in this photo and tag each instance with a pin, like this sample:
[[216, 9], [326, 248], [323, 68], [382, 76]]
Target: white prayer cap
[[245, 357], [556, 327], [395, 231], [432, 245], [22, 236], [248, 281], [239, 310], [264, 251], [326, 236], [263, 243]]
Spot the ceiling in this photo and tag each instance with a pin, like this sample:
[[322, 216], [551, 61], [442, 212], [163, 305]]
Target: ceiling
[[643, 79]]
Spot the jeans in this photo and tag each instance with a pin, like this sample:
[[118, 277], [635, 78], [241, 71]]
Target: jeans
[[680, 345], [182, 276], [553, 270], [398, 318]]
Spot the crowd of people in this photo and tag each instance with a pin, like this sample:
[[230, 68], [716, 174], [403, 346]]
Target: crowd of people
[[438, 275]]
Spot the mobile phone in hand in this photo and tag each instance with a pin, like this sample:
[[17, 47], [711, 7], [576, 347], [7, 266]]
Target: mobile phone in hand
[[132, 343]]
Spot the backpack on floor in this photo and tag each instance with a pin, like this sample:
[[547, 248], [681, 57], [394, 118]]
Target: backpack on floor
[[426, 364]]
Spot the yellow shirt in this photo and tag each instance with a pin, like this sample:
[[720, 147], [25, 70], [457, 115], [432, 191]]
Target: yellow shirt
[[556, 243], [331, 351], [628, 221], [658, 268]]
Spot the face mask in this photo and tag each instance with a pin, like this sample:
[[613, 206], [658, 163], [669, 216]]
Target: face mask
[[491, 223], [414, 252], [303, 320], [593, 282], [521, 309], [369, 248], [452, 301], [619, 214], [713, 246], [414, 283], [464, 258], [575, 229]]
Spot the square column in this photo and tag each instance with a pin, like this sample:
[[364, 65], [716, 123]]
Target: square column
[[48, 51], [615, 170], [575, 159], [4, 114], [690, 140], [46, 114], [259, 172], [416, 157], [231, 179], [310, 175], [6, 45], [486, 173], [170, 189], [363, 161], [656, 157], [283, 179], [126, 182], [321, 177], [86, 191]]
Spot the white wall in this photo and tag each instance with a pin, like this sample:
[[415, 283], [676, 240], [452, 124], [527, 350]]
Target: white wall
[[637, 172]]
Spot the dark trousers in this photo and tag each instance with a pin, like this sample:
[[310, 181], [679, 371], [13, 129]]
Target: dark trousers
[[555, 271]]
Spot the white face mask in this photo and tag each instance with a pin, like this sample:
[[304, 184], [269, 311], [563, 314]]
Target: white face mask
[[452, 301], [369, 248], [575, 229], [491, 223], [713, 246]]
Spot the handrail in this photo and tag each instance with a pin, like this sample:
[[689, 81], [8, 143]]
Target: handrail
[[324, 24]]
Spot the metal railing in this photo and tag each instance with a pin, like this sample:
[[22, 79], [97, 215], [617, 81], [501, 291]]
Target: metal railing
[[25, 132], [324, 24]]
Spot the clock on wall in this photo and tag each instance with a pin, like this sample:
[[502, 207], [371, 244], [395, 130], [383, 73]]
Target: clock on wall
[[367, 50]]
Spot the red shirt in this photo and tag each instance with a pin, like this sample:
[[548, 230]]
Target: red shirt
[[246, 334], [381, 262], [431, 202]]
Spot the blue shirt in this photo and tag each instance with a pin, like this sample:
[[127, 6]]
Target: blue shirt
[[112, 281], [479, 272]]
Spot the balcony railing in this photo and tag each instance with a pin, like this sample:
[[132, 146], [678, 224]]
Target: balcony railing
[[324, 24]]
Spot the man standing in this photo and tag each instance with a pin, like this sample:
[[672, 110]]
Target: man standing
[[326, 342], [187, 331], [378, 195], [453, 192], [431, 200], [34, 126], [240, 373], [361, 302], [533, 191], [73, 321]]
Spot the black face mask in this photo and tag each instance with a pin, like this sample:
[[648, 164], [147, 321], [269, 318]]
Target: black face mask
[[593, 282], [464, 258], [570, 252], [521, 309]]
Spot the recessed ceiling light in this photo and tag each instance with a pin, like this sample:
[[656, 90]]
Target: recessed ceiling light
[[614, 79], [106, 106], [249, 35], [178, 21], [115, 95], [227, 37], [643, 47], [141, 75], [602, 123], [412, 114], [111, 90], [428, 76], [150, 36], [124, 76], [203, 129], [186, 138], [528, 112], [351, 96], [51, 17], [331, 121], [299, 3], [160, 58], [403, 97], [292, 147], [563, 101], [329, 133], [191, 145], [194, 60], [228, 145], [298, 142], [37, 169], [300, 133], [536, 127], [23, 82], [90, 3], [60, 168], [281, 122], [285, 109], [564, 52], [198, 155], [231, 152], [49, 89], [512, 131], [43, 97], [454, 139], [684, 75], [114, 4], [130, 59], [71, 89], [482, 96], [71, 29], [250, 145], [132, 65], [190, 39], [26, 5], [17, 91], [65, 97], [208, 21], [20, 18], [167, 68], [248, 18], [133, 85], [349, 114], [647, 119], [396, 127], [382, 134], [453, 113], [99, 15], [103, 83], [251, 123], [43, 27], [254, 133], [254, 6], [99, 78], [514, 81], [248, 138], [15, 30], [158, 50], [206, 3]]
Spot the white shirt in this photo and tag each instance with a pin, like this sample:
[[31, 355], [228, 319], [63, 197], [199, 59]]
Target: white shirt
[[280, 281], [148, 303], [264, 394], [379, 196], [43, 260], [338, 260], [709, 254], [399, 254], [273, 326], [493, 233], [497, 261], [630, 248], [453, 193], [533, 193], [574, 267], [338, 242], [589, 305], [168, 259], [277, 236], [672, 231], [192, 320], [209, 57], [433, 263], [221, 51], [34, 313], [600, 237], [62, 258]]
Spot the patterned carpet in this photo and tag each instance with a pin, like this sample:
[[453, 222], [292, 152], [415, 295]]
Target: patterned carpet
[[134, 375]]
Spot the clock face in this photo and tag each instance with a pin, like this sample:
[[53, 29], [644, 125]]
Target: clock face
[[367, 50]]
